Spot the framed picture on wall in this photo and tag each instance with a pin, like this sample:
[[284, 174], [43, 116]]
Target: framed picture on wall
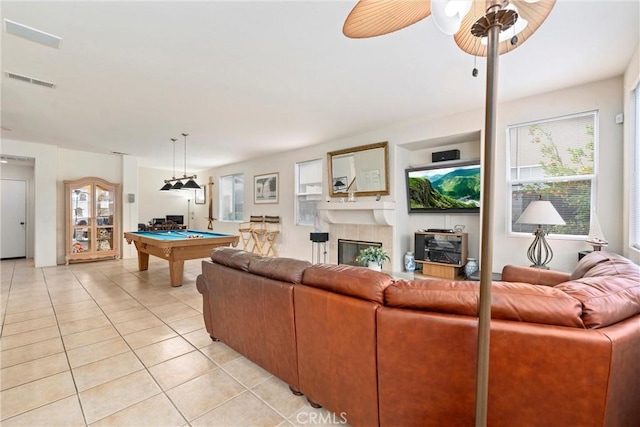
[[201, 195], [265, 188], [340, 184]]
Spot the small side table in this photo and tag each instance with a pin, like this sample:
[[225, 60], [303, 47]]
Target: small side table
[[317, 240], [496, 277]]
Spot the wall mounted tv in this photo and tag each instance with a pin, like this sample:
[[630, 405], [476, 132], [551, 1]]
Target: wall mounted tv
[[451, 187]]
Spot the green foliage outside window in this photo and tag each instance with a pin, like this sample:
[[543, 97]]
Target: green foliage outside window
[[567, 170]]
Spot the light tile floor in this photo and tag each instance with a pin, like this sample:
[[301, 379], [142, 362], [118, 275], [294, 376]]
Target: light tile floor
[[103, 344]]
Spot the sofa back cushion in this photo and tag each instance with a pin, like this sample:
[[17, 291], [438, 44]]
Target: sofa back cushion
[[283, 269], [233, 258], [509, 301], [601, 263], [348, 280], [608, 286]]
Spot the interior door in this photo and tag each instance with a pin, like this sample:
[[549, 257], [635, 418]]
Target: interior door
[[13, 219]]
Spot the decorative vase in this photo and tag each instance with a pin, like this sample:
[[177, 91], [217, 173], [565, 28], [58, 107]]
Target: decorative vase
[[374, 266], [471, 267], [409, 262]]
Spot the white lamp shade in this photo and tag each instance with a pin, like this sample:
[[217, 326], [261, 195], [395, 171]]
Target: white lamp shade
[[541, 212], [448, 14]]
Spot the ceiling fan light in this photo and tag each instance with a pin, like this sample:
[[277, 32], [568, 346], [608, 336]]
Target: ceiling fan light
[[191, 185], [458, 7], [178, 185], [448, 14], [532, 14], [166, 187]]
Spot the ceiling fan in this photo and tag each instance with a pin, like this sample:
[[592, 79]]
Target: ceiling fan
[[481, 28], [466, 20]]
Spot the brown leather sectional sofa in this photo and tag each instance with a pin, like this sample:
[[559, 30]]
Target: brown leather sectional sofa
[[565, 349]]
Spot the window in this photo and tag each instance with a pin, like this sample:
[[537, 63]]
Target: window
[[232, 197], [308, 190], [635, 172], [554, 160]]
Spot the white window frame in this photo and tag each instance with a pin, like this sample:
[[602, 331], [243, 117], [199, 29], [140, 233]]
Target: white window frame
[[231, 202], [634, 209], [312, 191], [514, 180]]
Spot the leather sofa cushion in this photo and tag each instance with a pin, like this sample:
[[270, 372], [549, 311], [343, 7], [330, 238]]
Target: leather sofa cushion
[[601, 263], [233, 258], [534, 276], [348, 280], [605, 300], [509, 301], [283, 269], [607, 285]]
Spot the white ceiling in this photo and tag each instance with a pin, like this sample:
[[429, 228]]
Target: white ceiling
[[248, 78]]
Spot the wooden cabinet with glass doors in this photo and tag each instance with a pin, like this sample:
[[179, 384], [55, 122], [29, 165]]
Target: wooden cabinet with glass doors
[[92, 219]]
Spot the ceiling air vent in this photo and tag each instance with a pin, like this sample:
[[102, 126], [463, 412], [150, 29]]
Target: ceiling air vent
[[30, 80]]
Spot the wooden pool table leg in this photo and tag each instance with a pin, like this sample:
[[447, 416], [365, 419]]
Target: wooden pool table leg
[[143, 261], [176, 270]]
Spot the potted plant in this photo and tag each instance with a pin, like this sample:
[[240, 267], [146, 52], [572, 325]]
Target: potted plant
[[373, 257]]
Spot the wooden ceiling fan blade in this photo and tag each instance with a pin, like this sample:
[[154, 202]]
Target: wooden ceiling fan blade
[[370, 18], [463, 38]]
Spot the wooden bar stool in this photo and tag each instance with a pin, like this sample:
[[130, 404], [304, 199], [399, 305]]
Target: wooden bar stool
[[246, 231], [265, 236]]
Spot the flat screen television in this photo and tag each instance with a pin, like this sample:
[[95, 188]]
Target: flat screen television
[[177, 219], [451, 187]]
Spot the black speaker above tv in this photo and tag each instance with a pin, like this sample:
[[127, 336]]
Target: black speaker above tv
[[442, 156]]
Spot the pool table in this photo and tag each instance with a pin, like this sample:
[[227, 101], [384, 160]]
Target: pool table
[[176, 246]]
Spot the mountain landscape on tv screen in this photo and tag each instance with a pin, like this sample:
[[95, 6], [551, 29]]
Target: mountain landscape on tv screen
[[457, 189]]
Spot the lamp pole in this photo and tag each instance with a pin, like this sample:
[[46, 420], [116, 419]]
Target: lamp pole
[[486, 262], [490, 25]]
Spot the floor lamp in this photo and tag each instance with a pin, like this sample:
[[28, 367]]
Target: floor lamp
[[470, 29]]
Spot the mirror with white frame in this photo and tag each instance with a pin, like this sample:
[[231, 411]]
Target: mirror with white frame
[[361, 171]]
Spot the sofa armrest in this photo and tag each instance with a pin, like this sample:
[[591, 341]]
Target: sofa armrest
[[534, 276]]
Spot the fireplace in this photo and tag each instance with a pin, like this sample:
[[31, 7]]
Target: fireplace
[[348, 250]]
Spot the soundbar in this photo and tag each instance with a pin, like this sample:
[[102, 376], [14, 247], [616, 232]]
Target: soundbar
[[439, 230]]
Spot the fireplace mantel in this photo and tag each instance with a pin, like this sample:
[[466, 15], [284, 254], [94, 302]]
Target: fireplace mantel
[[368, 213]]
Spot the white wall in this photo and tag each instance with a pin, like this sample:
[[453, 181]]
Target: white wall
[[130, 173], [45, 199], [156, 204], [605, 96], [631, 81]]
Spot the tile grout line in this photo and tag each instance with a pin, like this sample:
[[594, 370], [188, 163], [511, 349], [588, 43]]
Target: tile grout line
[[114, 284], [66, 354], [132, 350]]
